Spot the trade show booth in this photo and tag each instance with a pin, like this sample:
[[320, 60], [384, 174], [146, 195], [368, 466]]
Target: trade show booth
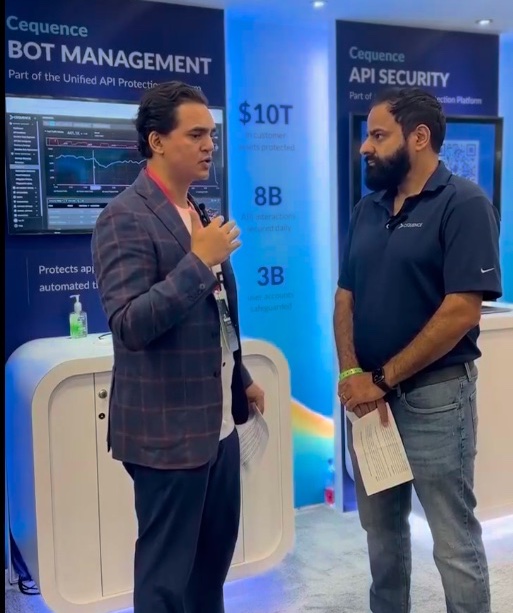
[[71, 505], [289, 95]]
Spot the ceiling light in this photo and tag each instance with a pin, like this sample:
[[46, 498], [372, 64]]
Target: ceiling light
[[484, 22], [318, 4]]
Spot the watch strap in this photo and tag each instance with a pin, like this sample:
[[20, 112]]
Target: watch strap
[[378, 378]]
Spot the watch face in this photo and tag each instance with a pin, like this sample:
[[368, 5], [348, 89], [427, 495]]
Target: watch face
[[378, 375]]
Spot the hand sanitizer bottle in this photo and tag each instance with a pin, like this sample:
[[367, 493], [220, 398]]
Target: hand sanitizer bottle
[[77, 320]]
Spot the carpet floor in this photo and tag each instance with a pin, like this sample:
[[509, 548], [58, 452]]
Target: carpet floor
[[327, 572]]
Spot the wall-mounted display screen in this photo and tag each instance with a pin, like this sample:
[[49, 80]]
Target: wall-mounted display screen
[[472, 149], [66, 159]]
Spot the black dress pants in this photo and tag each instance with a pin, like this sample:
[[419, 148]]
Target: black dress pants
[[188, 523]]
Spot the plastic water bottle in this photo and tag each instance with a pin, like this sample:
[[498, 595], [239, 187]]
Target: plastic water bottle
[[329, 485]]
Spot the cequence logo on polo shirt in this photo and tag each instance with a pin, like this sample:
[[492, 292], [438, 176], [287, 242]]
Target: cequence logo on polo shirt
[[409, 224]]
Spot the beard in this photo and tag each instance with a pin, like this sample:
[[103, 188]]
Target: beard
[[387, 173]]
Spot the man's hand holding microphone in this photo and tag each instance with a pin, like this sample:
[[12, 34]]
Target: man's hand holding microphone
[[213, 244]]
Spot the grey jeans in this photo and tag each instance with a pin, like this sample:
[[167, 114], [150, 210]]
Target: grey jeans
[[438, 426]]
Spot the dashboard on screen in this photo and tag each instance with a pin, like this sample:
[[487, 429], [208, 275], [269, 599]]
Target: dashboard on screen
[[66, 159], [472, 149]]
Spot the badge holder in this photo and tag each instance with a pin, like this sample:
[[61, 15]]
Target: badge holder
[[227, 328]]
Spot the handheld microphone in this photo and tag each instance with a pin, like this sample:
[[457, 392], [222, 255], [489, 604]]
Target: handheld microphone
[[204, 213], [201, 210]]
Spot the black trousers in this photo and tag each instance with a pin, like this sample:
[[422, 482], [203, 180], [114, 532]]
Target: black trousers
[[188, 524]]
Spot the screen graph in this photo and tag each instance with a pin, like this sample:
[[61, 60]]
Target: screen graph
[[79, 163], [67, 159]]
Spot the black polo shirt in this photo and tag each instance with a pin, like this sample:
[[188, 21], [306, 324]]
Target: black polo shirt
[[445, 240]]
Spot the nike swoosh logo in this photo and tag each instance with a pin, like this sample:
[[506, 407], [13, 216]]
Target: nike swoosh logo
[[487, 270]]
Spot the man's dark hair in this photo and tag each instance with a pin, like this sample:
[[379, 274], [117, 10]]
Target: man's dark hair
[[158, 109], [412, 107]]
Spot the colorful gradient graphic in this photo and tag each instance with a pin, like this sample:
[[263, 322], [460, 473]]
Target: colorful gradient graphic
[[312, 436]]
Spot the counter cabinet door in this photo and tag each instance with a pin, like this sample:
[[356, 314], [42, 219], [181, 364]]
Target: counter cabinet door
[[74, 489], [118, 526]]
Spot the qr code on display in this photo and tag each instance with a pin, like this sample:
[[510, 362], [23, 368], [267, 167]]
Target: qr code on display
[[462, 158]]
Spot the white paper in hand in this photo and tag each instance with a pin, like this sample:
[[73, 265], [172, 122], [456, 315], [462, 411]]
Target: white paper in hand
[[380, 452], [253, 439]]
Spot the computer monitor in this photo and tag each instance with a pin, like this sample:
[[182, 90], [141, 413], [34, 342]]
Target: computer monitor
[[472, 149], [66, 159]]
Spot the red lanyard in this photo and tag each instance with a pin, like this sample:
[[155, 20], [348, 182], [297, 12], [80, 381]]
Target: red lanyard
[[160, 185]]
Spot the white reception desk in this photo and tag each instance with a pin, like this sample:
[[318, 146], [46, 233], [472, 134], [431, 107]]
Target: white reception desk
[[71, 505], [494, 461]]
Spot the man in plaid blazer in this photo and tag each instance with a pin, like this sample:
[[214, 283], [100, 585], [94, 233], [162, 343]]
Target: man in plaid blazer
[[178, 384]]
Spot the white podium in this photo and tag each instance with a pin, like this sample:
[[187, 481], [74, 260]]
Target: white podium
[[71, 505], [494, 460]]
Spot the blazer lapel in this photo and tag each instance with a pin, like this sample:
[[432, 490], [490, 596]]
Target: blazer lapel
[[158, 203]]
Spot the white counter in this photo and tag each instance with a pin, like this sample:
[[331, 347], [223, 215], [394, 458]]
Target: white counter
[[71, 506], [494, 462]]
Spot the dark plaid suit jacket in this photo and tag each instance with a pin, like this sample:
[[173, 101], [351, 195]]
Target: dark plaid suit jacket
[[166, 395]]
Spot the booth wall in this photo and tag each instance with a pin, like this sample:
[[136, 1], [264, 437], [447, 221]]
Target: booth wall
[[43, 271], [282, 193], [506, 111], [282, 157], [460, 68]]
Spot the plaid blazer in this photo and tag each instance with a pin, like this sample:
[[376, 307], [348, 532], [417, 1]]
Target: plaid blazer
[[165, 405]]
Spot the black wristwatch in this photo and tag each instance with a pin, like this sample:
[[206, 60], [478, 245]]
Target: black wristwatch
[[378, 378]]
